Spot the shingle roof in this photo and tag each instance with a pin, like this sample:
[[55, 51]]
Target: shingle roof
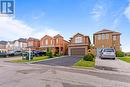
[[106, 31], [33, 38], [3, 42], [22, 40], [58, 35]]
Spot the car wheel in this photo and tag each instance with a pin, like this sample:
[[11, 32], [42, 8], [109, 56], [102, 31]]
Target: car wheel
[[113, 58]]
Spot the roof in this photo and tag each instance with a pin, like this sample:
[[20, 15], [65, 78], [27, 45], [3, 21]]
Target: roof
[[22, 40], [77, 34], [11, 42], [58, 35], [33, 38], [3, 42], [46, 36], [106, 31]]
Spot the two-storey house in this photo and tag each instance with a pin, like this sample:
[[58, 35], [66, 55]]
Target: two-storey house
[[107, 39], [79, 45], [56, 44]]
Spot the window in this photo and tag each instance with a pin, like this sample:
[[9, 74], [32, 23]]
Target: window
[[102, 46], [78, 40], [99, 37], [57, 41], [51, 42], [114, 38], [103, 36], [107, 36], [46, 41]]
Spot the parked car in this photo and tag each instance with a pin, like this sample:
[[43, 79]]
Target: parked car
[[3, 54], [14, 53], [38, 53], [107, 53]]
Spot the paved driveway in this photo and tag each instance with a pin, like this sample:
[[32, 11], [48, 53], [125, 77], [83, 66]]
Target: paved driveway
[[117, 65], [63, 61]]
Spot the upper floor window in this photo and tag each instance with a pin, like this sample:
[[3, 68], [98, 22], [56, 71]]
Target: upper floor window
[[51, 42], [103, 36], [114, 38], [107, 36], [99, 37], [57, 41], [46, 41], [78, 40]]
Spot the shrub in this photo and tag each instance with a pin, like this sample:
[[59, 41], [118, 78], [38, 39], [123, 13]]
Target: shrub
[[57, 54], [88, 57], [49, 54], [128, 54], [120, 54]]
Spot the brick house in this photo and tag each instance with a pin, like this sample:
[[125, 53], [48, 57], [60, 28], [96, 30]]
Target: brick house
[[107, 39], [79, 45], [56, 44], [33, 43]]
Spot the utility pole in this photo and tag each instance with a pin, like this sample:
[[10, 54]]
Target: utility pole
[[29, 53]]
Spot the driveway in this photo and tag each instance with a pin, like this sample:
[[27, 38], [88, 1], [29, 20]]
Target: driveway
[[63, 61], [113, 65]]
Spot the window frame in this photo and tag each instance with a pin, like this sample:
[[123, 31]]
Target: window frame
[[78, 39]]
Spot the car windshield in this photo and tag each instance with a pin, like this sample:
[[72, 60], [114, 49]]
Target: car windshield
[[108, 50]]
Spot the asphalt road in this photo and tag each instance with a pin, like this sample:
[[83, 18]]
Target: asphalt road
[[38, 75], [63, 61]]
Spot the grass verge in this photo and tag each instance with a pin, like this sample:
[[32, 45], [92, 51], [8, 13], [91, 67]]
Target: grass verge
[[126, 59], [33, 60], [85, 64]]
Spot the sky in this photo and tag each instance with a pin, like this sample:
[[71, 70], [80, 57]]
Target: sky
[[36, 18]]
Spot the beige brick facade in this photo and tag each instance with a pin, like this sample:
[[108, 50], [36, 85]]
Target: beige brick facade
[[107, 39]]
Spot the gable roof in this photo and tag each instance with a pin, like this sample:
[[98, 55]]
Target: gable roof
[[58, 35], [106, 31], [3, 42], [47, 36], [33, 39], [77, 34]]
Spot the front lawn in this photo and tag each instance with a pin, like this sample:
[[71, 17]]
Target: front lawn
[[126, 59], [34, 59], [83, 63]]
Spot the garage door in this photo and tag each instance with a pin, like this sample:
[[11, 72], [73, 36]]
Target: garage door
[[77, 51]]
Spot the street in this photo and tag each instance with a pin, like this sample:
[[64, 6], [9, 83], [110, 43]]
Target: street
[[40, 75]]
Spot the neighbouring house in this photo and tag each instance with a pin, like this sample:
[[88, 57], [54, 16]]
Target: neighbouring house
[[3, 45], [106, 39], [33, 43], [56, 44], [79, 45], [20, 44], [10, 45]]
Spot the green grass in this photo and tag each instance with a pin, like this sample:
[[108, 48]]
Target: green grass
[[126, 59], [83, 63], [34, 59]]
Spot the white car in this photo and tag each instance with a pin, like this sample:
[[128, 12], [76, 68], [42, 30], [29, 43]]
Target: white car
[[107, 53]]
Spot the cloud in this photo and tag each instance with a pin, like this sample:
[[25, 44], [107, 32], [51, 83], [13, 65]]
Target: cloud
[[46, 31], [127, 11], [97, 12], [12, 29]]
